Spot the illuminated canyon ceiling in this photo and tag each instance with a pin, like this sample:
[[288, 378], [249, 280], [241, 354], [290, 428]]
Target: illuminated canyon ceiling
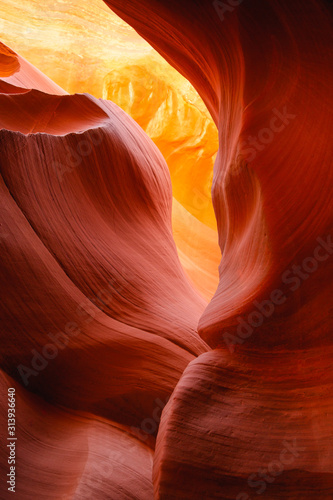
[[167, 249]]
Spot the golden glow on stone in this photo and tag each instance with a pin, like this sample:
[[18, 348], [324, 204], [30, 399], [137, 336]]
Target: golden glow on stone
[[84, 47], [165, 107]]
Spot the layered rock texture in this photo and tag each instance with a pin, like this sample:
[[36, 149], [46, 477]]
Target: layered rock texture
[[85, 47], [99, 317], [102, 327], [264, 72]]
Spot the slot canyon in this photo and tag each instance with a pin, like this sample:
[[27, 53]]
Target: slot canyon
[[167, 249]]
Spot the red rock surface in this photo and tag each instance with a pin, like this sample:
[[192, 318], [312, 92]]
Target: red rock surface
[[85, 48], [264, 72], [88, 251], [62, 454], [97, 312], [15, 71]]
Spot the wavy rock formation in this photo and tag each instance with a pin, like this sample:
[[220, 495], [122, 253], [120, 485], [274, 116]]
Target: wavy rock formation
[[98, 316], [17, 74], [8, 61], [100, 322], [185, 135], [263, 70], [75, 455], [71, 44]]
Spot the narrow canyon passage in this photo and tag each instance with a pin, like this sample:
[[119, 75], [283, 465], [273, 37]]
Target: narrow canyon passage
[[137, 371]]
